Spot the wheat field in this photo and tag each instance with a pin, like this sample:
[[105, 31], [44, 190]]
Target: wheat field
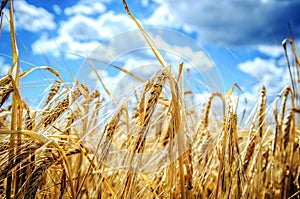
[[67, 148]]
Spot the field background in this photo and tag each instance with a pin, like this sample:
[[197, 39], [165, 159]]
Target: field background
[[174, 136]]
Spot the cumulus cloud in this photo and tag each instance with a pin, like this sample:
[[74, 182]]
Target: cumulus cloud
[[85, 8], [161, 17], [194, 56], [63, 44], [259, 67], [80, 27], [111, 24], [271, 50], [239, 22], [267, 72], [31, 18], [46, 45], [81, 34], [4, 68]]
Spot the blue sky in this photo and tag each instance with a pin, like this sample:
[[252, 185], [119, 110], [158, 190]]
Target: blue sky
[[241, 39]]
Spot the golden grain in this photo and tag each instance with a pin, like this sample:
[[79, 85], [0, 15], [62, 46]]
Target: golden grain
[[47, 154]]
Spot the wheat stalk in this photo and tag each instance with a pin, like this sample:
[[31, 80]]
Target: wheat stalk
[[45, 154]]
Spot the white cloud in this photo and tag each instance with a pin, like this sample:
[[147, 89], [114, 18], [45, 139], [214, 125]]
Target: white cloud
[[80, 48], [65, 44], [183, 50], [260, 67], [45, 45], [161, 17], [31, 18], [85, 8], [4, 68], [268, 73], [111, 24], [81, 34], [57, 9], [80, 27], [271, 50]]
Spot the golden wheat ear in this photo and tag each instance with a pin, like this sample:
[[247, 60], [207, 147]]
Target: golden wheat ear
[[295, 82], [6, 89]]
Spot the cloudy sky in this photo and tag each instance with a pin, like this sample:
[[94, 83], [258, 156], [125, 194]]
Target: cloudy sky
[[222, 41]]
